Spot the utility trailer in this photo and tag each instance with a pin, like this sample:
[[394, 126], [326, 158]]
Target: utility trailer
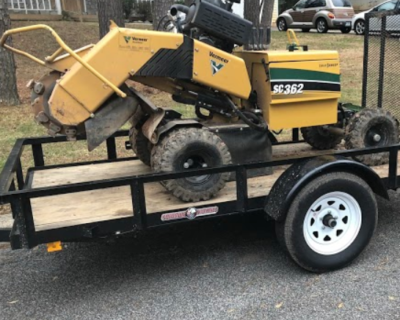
[[324, 203]]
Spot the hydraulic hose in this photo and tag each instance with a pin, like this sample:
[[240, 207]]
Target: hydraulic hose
[[260, 127]]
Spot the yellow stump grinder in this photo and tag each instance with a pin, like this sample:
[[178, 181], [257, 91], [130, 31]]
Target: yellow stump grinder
[[217, 62]]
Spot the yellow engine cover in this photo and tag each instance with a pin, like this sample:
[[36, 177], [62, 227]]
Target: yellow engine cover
[[220, 70], [298, 89]]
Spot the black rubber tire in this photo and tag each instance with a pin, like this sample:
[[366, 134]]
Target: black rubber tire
[[173, 151], [360, 127], [358, 30], [346, 30], [305, 30], [325, 29], [141, 146], [295, 241], [281, 24], [320, 139]]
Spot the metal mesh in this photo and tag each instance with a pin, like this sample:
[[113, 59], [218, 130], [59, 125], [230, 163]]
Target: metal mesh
[[382, 62]]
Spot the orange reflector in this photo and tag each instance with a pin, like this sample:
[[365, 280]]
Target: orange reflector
[[331, 15], [54, 246]]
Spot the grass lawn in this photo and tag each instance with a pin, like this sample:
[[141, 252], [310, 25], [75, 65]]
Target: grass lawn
[[17, 122]]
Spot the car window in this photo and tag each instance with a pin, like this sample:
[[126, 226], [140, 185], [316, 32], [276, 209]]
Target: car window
[[315, 3], [387, 6], [341, 3], [300, 5]]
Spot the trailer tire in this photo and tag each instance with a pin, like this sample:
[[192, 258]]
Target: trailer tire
[[320, 139], [191, 148], [330, 222], [362, 129], [141, 146]]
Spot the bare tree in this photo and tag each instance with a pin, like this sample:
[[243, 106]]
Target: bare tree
[[109, 10], [8, 79], [160, 9], [259, 12]]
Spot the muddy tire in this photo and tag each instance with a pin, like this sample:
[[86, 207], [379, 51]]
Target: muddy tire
[[190, 149], [372, 128], [141, 146], [320, 139]]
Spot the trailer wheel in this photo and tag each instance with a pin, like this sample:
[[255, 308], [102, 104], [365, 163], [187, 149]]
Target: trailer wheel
[[320, 139], [372, 128], [330, 222], [141, 146], [192, 148]]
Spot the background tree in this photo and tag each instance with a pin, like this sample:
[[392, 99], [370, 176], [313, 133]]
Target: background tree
[[109, 10], [259, 12], [160, 9], [8, 80]]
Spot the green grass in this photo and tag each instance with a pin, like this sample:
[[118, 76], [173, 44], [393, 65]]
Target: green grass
[[17, 122]]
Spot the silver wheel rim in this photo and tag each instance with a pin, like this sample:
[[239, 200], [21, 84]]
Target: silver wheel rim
[[360, 27], [281, 25], [335, 207], [321, 25]]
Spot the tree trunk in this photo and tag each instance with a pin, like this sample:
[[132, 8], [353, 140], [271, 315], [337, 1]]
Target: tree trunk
[[252, 11], [8, 80], [109, 10], [259, 12], [268, 11], [160, 10]]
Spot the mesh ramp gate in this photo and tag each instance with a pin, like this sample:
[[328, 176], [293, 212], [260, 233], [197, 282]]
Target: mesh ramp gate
[[381, 78]]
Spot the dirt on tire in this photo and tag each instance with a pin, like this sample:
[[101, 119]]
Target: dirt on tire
[[170, 154], [359, 127]]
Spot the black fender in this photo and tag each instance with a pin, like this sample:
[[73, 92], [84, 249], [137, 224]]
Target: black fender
[[290, 183]]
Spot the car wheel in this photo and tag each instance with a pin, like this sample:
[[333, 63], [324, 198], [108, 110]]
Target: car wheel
[[359, 27], [346, 30], [282, 25], [322, 26], [305, 30]]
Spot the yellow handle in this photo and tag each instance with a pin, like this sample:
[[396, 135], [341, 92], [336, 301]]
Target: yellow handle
[[63, 46], [292, 38]]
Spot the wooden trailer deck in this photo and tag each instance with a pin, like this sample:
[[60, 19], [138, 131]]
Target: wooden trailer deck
[[113, 203]]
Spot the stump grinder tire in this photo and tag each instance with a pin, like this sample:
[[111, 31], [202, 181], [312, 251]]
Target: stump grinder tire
[[330, 222], [141, 146], [320, 139], [188, 149], [372, 128]]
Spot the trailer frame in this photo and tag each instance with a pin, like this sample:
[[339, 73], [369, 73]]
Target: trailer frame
[[15, 189]]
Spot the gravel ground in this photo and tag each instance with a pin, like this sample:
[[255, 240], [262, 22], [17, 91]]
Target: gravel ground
[[226, 269]]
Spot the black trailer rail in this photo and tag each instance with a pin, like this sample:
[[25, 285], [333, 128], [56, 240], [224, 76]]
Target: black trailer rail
[[15, 189]]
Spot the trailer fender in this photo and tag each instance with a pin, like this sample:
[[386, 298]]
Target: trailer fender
[[300, 174]]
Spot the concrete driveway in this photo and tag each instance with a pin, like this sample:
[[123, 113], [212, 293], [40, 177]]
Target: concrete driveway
[[226, 269]]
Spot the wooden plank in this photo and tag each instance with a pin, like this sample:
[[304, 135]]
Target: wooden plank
[[114, 203]]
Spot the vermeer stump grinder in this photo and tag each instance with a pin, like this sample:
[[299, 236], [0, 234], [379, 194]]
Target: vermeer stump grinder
[[219, 63]]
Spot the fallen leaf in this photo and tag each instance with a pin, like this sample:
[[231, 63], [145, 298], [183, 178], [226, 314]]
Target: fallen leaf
[[13, 302], [392, 298], [279, 305], [340, 305]]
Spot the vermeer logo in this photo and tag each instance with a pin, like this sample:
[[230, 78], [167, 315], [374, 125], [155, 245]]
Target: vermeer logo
[[216, 67], [135, 39], [215, 56]]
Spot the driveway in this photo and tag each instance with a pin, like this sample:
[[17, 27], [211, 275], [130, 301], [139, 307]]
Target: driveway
[[226, 269]]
